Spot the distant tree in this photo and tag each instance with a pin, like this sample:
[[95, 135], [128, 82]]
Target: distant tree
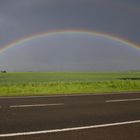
[[3, 71]]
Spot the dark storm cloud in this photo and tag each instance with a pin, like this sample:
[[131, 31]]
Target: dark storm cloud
[[20, 18], [23, 17]]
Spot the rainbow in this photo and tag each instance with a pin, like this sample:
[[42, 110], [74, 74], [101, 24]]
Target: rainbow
[[51, 33]]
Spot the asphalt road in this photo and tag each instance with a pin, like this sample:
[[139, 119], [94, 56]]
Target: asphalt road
[[93, 117]]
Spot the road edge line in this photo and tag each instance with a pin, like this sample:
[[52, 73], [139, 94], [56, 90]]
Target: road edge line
[[68, 129], [67, 95]]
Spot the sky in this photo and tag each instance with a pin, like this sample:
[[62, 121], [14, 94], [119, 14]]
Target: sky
[[21, 18]]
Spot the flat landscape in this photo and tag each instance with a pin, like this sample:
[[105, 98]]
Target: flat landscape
[[70, 105], [52, 83], [69, 70]]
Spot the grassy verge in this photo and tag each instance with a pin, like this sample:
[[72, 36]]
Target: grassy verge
[[24, 84]]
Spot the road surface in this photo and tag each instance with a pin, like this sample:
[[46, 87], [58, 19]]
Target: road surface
[[80, 117]]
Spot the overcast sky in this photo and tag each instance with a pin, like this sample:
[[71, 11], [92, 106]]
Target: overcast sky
[[21, 18]]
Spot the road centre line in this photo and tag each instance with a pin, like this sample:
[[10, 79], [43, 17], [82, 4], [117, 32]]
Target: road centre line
[[36, 105], [68, 129], [123, 100]]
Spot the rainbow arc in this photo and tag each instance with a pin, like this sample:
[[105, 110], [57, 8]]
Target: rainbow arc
[[39, 35]]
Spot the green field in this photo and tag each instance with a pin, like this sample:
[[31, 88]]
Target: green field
[[46, 83]]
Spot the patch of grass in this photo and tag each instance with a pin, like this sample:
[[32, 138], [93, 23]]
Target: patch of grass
[[19, 84]]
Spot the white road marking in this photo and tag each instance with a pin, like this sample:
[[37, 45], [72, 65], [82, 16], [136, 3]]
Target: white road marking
[[66, 95], [35, 105], [123, 100], [68, 129]]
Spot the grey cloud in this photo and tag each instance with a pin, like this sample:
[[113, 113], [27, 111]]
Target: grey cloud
[[20, 18], [23, 17], [65, 52]]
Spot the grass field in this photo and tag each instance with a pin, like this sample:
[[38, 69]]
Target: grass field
[[30, 83]]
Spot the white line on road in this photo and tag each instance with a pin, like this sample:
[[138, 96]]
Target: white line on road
[[66, 95], [36, 105], [123, 100], [69, 129]]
